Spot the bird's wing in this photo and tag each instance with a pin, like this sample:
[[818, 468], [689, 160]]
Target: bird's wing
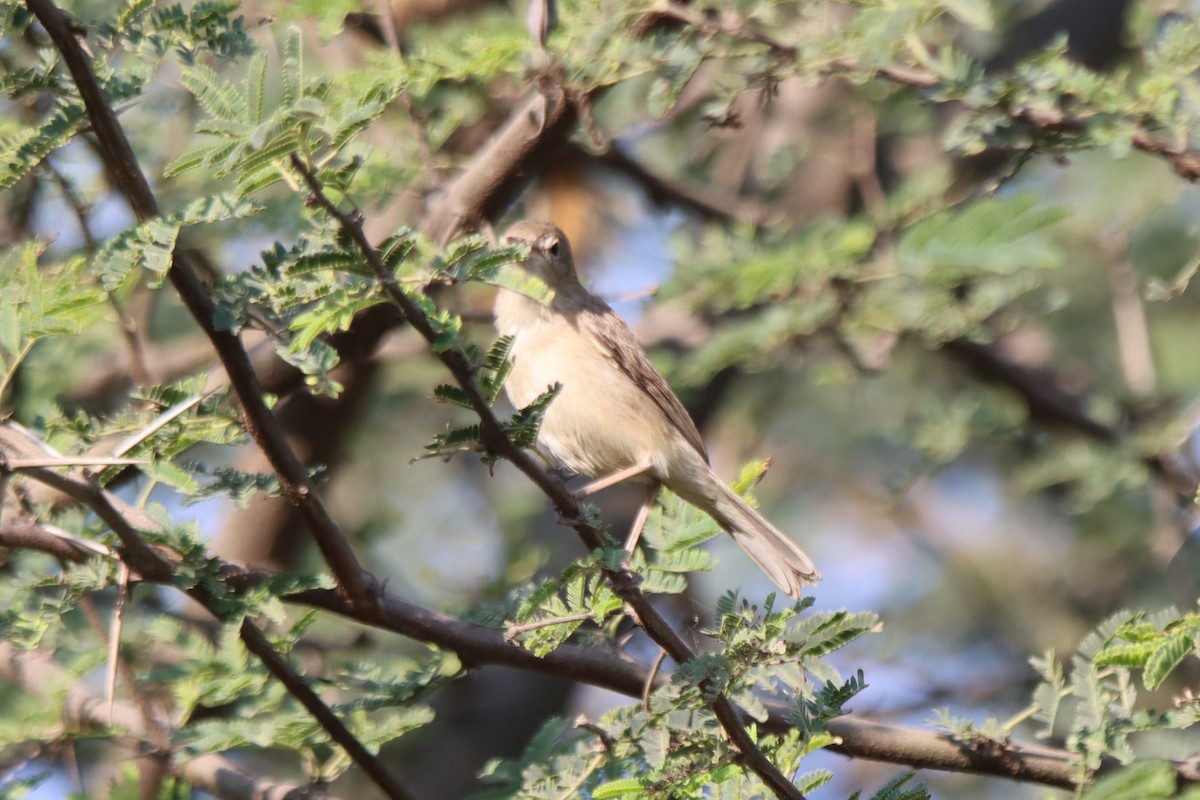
[[622, 348]]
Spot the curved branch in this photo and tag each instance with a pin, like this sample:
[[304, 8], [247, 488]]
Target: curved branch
[[705, 201]]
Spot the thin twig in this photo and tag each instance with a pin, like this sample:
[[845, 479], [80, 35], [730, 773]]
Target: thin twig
[[139, 359], [52, 540], [651, 677], [134, 341], [726, 21], [572, 790], [391, 37], [114, 637], [707, 202], [1048, 403], [155, 729], [160, 422], [19, 464], [511, 632], [1129, 319], [864, 170], [122, 519], [78, 205]]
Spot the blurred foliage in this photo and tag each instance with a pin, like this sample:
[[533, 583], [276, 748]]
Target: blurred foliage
[[837, 326]]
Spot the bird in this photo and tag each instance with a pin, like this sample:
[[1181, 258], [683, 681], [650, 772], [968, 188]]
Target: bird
[[614, 417]]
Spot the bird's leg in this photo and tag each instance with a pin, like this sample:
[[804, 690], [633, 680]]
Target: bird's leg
[[611, 480], [639, 521]]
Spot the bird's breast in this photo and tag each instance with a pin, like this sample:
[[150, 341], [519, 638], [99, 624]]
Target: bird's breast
[[601, 422]]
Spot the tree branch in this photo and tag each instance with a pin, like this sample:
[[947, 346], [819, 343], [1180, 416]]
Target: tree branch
[[707, 202], [490, 180], [1185, 163]]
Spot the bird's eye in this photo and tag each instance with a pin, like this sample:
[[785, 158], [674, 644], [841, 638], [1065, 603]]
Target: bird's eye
[[552, 247]]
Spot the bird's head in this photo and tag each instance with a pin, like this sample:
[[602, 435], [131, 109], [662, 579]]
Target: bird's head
[[549, 253]]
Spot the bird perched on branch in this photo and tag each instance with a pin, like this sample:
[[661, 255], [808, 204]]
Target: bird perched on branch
[[615, 418]]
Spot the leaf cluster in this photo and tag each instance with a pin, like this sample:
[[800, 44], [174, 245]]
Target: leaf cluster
[[943, 276], [242, 706], [672, 745], [314, 115], [1097, 708], [37, 303], [492, 370]]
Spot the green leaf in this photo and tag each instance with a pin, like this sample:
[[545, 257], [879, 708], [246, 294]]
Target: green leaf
[[522, 427], [1126, 655], [625, 787], [330, 315], [191, 159], [395, 249], [897, 789], [1166, 657], [991, 236], [38, 302], [1147, 780], [256, 79], [329, 258], [270, 157], [151, 245], [516, 279], [205, 155], [22, 153], [823, 632], [449, 393], [497, 365], [218, 98], [811, 781], [15, 788], [217, 208]]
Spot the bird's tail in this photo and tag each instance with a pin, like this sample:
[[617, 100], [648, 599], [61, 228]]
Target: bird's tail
[[778, 556]]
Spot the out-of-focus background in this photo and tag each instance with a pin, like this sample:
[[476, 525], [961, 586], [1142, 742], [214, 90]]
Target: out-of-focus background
[[962, 335]]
